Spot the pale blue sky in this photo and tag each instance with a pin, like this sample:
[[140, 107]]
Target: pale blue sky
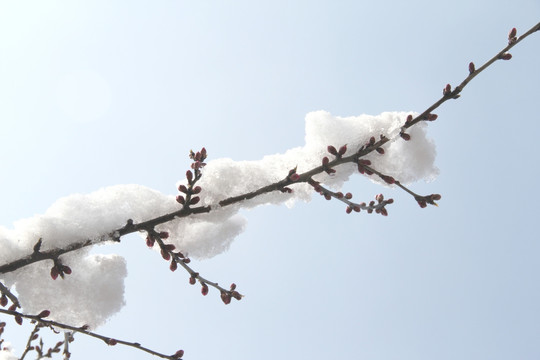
[[103, 93]]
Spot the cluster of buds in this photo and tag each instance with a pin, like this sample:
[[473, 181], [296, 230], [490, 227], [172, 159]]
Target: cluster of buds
[[226, 296], [337, 153], [166, 250], [423, 201], [59, 269], [192, 177]]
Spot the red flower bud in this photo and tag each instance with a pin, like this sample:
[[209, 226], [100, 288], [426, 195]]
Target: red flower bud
[[380, 150], [390, 201], [183, 188], [332, 150], [390, 180], [169, 247], [204, 289], [432, 117], [18, 319], [384, 212], [327, 196], [196, 190], [3, 300], [181, 199], [325, 160], [294, 177], [165, 255], [505, 56], [186, 260], [342, 150], [163, 234], [372, 140], [54, 272], [472, 68], [13, 307], [348, 196], [179, 353], [348, 210], [364, 162], [226, 298], [233, 286], [422, 203], [111, 342], [435, 197], [512, 34], [150, 241], [192, 280], [356, 208], [194, 200], [173, 266], [409, 119], [189, 175], [339, 195], [379, 197], [236, 295], [405, 136], [447, 89], [44, 314]]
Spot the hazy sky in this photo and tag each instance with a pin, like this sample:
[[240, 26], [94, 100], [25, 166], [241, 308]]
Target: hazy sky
[[102, 93]]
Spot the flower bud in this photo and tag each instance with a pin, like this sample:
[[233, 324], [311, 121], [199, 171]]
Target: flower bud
[[3, 300], [180, 199], [380, 150], [192, 280], [163, 235], [342, 150], [348, 196], [165, 255], [505, 56], [111, 342], [236, 295], [372, 140], [66, 269], [422, 203], [173, 265], [44, 314], [405, 136], [512, 34], [325, 160], [194, 200], [409, 119], [379, 197], [339, 195], [364, 162], [204, 289], [332, 150], [189, 175], [18, 319], [388, 179], [447, 89], [327, 196], [390, 201], [183, 188], [384, 212], [54, 272], [150, 241], [435, 197], [294, 177], [432, 117], [225, 297], [348, 210], [356, 208], [179, 353], [472, 68], [196, 190], [233, 286], [169, 247]]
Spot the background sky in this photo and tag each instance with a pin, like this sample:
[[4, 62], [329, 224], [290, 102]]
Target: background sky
[[100, 93]]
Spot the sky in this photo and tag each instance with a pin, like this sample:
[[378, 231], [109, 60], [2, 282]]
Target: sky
[[105, 93]]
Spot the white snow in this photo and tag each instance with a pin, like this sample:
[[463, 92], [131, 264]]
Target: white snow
[[94, 291]]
